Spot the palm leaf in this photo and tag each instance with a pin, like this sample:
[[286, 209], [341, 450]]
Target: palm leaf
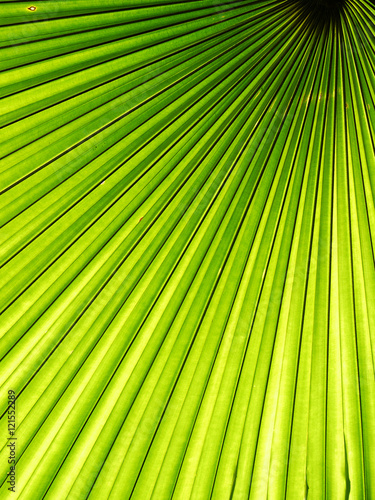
[[187, 249]]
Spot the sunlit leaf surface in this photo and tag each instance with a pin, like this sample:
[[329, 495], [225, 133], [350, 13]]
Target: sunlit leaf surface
[[187, 249]]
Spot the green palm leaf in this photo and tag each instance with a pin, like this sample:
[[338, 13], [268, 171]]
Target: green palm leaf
[[187, 249]]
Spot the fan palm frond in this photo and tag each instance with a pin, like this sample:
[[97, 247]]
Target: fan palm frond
[[187, 249]]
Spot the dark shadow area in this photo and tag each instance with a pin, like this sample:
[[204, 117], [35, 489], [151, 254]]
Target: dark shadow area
[[323, 12]]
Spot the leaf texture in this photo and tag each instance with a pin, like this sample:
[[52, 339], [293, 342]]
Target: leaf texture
[[187, 249]]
